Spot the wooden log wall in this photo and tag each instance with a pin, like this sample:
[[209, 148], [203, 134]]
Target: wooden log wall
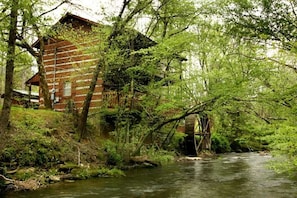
[[64, 62]]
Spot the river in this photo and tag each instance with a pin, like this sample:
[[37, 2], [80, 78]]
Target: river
[[230, 175]]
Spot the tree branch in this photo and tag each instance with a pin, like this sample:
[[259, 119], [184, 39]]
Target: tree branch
[[25, 45], [55, 8], [268, 58], [202, 107], [138, 8], [125, 4]]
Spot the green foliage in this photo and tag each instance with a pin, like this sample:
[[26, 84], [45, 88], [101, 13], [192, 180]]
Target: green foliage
[[283, 144], [255, 93], [113, 155], [37, 139], [219, 143], [176, 141], [114, 172], [138, 69], [25, 174], [264, 20], [85, 173], [264, 90], [31, 151], [23, 69], [158, 156], [282, 164], [8, 154]]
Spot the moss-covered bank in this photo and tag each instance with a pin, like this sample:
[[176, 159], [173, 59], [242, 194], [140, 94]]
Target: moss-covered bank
[[42, 147]]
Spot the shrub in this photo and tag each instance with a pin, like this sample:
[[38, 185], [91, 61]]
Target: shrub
[[113, 157], [24, 174], [84, 173], [219, 143], [8, 154], [25, 150], [176, 141], [160, 157]]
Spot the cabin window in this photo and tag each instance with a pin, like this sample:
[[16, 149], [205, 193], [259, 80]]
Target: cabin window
[[67, 88]]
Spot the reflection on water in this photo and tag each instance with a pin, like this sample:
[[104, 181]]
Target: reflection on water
[[231, 175]]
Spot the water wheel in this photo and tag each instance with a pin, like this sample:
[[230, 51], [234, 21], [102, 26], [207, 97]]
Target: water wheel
[[192, 127]]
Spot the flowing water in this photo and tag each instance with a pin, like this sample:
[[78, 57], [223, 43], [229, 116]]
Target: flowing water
[[230, 175]]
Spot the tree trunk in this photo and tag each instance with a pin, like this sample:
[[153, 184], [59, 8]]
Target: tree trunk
[[86, 106], [82, 125], [5, 113], [41, 72], [118, 26]]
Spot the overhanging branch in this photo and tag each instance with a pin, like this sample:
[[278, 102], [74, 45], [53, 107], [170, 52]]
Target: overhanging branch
[[270, 59], [202, 107], [55, 8], [23, 44]]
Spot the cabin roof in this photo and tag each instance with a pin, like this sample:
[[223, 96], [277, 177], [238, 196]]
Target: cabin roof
[[23, 93], [69, 16], [77, 22], [34, 80]]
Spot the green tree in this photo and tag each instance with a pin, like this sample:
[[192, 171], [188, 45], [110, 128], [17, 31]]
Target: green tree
[[153, 71], [23, 69], [128, 11], [30, 18], [34, 20], [270, 24], [13, 7]]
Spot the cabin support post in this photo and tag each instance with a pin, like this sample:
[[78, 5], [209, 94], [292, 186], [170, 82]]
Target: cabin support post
[[30, 90]]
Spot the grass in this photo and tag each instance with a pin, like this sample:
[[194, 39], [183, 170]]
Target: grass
[[43, 138], [30, 119], [41, 144]]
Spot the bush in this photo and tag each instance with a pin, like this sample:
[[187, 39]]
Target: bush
[[113, 157], [84, 173], [110, 172], [160, 157], [219, 143], [24, 174], [176, 141], [35, 150], [8, 154]]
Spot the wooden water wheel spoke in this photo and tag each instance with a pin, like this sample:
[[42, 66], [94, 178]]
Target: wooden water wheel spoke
[[197, 125], [191, 128]]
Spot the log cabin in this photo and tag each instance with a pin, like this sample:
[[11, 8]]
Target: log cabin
[[24, 98], [69, 69]]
